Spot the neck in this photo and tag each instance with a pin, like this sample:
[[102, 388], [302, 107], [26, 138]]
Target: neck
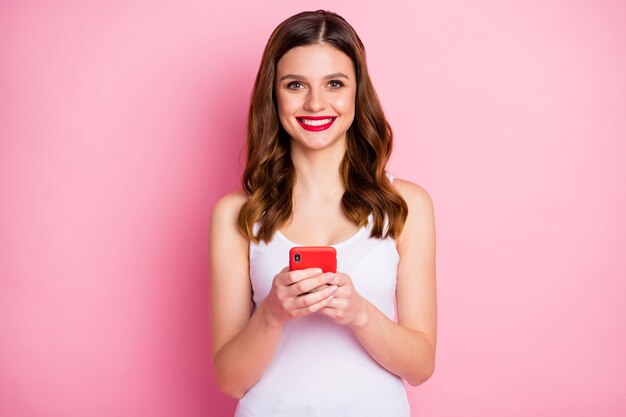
[[317, 171]]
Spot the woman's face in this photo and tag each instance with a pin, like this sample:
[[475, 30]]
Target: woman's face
[[315, 92]]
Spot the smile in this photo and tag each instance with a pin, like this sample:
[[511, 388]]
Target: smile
[[316, 123]]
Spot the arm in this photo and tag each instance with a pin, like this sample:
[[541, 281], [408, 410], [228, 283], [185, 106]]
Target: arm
[[406, 348], [244, 344]]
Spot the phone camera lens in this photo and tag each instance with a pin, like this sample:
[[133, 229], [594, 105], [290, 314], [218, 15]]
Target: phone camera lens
[[296, 257]]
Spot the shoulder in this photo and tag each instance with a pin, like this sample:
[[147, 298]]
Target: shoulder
[[225, 215], [418, 231], [416, 196], [229, 204]]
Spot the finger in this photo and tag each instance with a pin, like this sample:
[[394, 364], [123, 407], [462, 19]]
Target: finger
[[314, 297], [314, 289], [329, 311], [291, 277], [340, 279], [337, 304], [304, 311], [311, 284]]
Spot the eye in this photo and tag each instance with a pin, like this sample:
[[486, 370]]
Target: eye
[[295, 85], [335, 84]]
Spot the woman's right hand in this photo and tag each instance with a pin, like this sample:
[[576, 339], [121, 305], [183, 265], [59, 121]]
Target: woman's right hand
[[296, 294]]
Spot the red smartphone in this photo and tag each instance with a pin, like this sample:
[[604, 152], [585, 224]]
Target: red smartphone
[[302, 257]]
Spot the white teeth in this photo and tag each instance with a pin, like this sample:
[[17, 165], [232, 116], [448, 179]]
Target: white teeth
[[316, 122]]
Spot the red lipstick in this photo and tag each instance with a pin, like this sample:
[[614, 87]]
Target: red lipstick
[[315, 127]]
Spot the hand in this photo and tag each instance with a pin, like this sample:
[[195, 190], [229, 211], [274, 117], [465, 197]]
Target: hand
[[296, 294], [347, 307]]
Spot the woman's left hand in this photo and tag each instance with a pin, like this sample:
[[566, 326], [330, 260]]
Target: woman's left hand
[[348, 307]]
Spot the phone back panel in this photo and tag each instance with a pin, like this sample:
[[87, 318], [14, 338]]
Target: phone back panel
[[324, 257]]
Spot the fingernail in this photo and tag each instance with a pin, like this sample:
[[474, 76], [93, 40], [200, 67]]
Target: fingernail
[[333, 288], [330, 277]]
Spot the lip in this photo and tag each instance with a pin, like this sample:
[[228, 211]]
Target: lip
[[315, 128]]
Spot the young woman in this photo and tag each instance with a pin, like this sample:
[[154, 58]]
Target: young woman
[[306, 343]]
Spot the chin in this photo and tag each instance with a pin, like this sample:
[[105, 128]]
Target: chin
[[316, 143]]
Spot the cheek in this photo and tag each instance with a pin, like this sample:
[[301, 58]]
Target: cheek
[[286, 104], [280, 104], [285, 110], [347, 104], [348, 110]]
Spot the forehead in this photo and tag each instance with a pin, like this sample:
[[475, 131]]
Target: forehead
[[314, 61]]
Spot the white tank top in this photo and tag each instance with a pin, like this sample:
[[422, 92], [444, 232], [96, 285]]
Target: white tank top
[[320, 368]]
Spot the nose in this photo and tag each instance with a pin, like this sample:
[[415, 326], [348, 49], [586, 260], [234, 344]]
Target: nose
[[315, 101]]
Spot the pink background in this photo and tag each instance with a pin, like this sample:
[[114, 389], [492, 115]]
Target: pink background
[[122, 122]]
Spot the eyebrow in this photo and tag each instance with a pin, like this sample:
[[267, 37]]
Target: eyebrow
[[326, 77]]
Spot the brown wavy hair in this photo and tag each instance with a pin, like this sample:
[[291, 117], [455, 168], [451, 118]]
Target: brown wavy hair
[[269, 176]]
